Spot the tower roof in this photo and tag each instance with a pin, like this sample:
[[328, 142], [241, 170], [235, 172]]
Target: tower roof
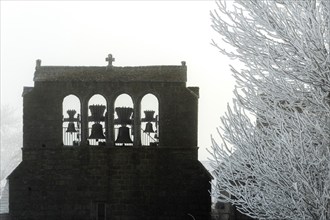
[[113, 74]]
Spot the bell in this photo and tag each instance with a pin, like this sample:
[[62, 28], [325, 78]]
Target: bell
[[97, 132], [149, 128], [71, 127], [123, 135]]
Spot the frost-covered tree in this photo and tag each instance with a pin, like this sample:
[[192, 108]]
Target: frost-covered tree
[[10, 140], [273, 158]]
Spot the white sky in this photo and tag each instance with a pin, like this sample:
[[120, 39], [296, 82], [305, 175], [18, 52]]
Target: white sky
[[137, 33]]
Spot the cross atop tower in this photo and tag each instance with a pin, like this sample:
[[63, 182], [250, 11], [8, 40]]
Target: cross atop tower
[[110, 59]]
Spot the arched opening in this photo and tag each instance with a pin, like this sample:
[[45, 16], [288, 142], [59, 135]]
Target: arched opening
[[71, 125], [149, 120], [97, 112], [123, 121]]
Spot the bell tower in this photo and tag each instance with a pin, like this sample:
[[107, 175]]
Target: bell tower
[[110, 143]]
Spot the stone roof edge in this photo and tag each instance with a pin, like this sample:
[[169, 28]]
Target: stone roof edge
[[43, 66], [174, 73]]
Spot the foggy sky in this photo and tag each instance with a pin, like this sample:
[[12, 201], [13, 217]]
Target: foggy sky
[[136, 33]]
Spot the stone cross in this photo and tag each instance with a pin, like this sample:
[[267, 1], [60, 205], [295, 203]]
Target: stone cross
[[110, 59]]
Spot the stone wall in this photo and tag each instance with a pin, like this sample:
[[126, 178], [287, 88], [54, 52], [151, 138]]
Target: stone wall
[[134, 183]]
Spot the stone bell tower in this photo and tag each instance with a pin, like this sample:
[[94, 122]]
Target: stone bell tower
[[108, 142]]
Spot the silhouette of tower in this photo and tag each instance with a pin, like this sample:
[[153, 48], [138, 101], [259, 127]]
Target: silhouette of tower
[[101, 161]]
